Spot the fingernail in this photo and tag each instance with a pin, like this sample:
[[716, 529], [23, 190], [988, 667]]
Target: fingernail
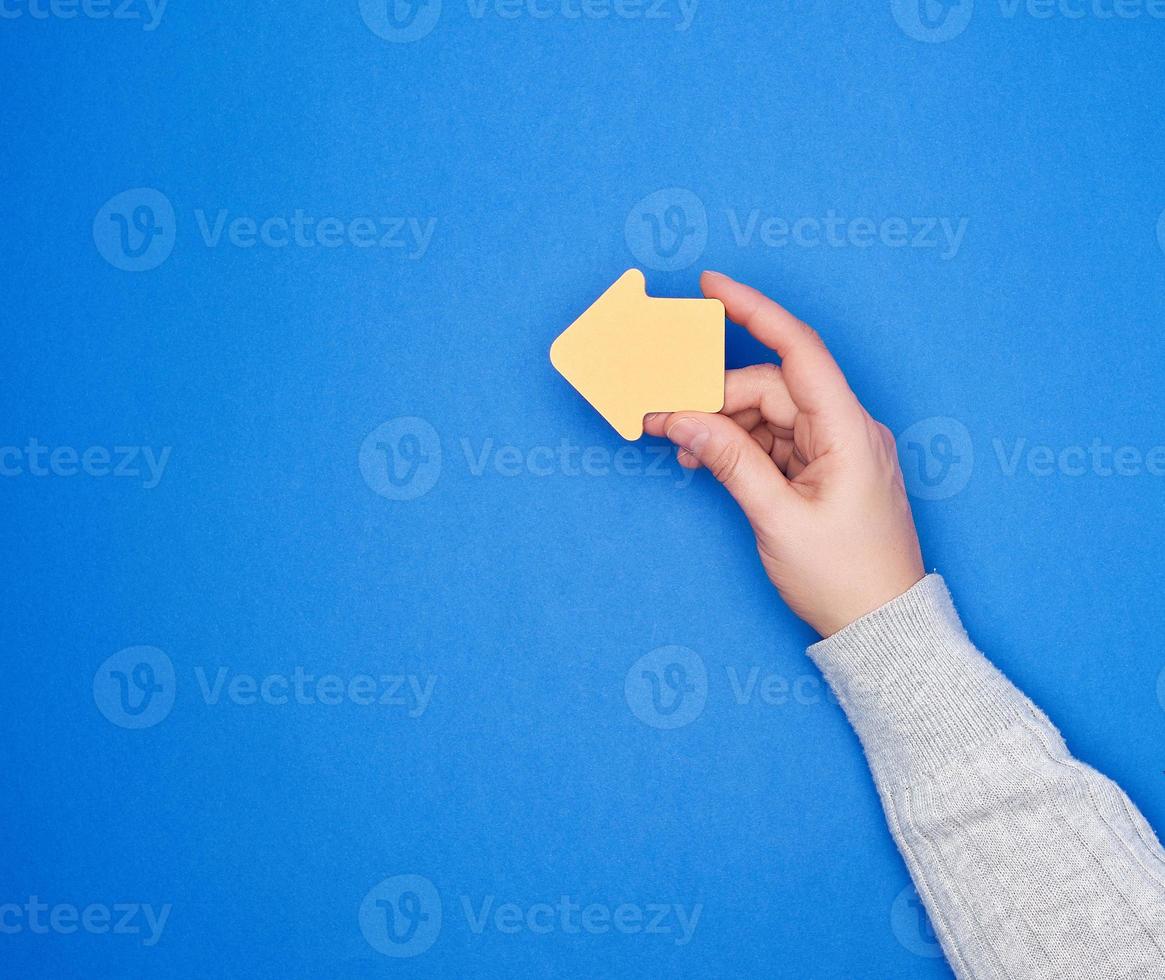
[[715, 275], [651, 417], [691, 434]]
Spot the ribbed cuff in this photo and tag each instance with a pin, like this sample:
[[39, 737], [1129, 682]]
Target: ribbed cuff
[[913, 685]]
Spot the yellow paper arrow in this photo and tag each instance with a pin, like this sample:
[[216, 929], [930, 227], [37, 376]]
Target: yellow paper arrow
[[631, 354]]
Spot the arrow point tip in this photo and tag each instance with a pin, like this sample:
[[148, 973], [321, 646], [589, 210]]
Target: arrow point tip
[[635, 277]]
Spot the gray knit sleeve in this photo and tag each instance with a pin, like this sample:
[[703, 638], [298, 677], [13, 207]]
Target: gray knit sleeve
[[1030, 863]]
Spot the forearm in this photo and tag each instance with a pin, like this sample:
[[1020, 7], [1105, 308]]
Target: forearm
[[1030, 863]]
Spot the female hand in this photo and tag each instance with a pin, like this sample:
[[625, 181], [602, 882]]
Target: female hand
[[816, 476]]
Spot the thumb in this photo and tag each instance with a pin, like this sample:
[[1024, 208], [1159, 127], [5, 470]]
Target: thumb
[[735, 459]]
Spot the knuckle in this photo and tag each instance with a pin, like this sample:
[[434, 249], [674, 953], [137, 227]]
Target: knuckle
[[811, 335], [886, 446], [726, 464], [767, 373]]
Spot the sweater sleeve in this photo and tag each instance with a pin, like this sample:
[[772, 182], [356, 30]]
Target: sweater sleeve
[[1030, 863]]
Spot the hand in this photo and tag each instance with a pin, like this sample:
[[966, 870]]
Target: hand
[[816, 476]]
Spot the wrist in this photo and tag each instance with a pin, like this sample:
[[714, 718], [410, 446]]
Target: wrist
[[866, 598]]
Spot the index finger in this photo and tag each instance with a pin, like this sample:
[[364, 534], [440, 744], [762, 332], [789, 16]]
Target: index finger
[[815, 382]]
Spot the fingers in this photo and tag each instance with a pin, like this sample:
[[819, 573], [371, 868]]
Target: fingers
[[655, 424], [815, 383], [760, 387], [751, 395], [748, 420], [734, 457], [776, 444]]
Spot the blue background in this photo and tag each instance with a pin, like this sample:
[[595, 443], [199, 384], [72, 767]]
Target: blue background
[[529, 597]]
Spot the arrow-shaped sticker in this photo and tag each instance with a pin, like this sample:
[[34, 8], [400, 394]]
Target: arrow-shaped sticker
[[631, 354]]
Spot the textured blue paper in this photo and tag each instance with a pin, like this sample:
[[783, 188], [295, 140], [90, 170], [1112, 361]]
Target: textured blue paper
[[528, 582]]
